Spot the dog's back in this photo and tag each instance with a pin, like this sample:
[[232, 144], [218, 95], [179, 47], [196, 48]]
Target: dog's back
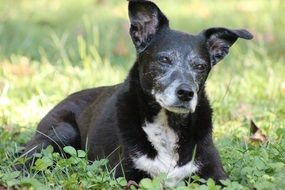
[[67, 124]]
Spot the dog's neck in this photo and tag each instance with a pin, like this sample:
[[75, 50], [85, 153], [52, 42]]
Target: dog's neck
[[145, 102]]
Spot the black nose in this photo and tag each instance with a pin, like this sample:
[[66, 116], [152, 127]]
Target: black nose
[[184, 93]]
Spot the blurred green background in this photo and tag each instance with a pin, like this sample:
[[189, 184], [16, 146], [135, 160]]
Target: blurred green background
[[51, 48]]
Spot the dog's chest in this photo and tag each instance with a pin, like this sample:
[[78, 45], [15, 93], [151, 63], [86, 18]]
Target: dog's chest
[[163, 138], [165, 141]]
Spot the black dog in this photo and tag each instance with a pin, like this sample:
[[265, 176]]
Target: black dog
[[159, 120]]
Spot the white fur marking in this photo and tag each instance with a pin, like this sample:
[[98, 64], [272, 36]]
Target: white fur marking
[[168, 97], [164, 140], [193, 102]]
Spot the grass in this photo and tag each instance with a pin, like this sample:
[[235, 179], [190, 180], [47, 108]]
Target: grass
[[49, 49]]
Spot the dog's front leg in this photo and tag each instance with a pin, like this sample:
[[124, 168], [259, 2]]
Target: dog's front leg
[[130, 172], [211, 166]]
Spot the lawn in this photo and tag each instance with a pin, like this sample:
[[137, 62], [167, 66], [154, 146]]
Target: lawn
[[51, 48]]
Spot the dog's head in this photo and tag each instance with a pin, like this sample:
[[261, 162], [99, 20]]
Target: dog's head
[[173, 66]]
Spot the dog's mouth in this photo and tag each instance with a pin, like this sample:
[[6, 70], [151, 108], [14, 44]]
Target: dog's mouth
[[180, 108]]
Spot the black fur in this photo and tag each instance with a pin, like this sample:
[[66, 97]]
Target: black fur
[[108, 120]]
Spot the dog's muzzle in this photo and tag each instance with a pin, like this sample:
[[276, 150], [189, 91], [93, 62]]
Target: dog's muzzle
[[178, 98]]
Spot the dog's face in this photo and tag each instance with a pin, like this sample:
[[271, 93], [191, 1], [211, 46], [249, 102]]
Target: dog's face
[[173, 66], [173, 69]]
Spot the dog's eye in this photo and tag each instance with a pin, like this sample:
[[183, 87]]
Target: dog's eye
[[200, 67], [164, 60]]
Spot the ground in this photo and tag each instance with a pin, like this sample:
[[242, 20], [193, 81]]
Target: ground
[[50, 48]]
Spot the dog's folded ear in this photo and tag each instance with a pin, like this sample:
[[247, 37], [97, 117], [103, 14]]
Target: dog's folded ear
[[219, 40], [146, 21]]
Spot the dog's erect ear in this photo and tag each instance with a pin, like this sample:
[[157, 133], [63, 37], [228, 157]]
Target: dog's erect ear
[[146, 21], [219, 40]]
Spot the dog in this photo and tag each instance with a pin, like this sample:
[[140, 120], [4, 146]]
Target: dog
[[159, 119]]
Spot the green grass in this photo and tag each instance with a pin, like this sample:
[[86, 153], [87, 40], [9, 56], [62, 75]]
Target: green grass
[[50, 48]]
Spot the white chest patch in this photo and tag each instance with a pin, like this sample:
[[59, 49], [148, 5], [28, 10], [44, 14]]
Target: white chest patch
[[164, 140]]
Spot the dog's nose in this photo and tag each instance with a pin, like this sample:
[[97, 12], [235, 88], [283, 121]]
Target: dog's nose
[[184, 93]]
